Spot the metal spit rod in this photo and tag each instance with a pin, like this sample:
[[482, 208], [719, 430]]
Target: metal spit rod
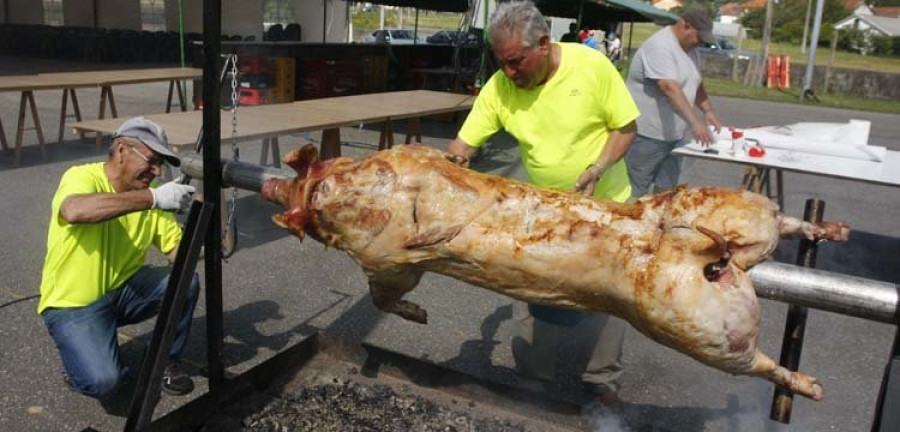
[[833, 292]]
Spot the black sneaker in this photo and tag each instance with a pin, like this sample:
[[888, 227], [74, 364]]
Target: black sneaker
[[176, 381]]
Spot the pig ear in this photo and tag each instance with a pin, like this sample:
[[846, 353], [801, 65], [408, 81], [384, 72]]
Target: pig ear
[[290, 221], [301, 159]]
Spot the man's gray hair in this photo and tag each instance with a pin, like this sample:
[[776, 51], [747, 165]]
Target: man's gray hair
[[126, 140], [517, 18]]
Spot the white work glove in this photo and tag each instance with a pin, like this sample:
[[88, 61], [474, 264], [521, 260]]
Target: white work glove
[[173, 196]]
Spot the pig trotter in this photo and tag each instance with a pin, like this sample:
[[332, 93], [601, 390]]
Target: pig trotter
[[830, 231], [387, 289]]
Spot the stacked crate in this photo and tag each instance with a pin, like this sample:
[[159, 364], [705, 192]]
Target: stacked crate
[[284, 71], [328, 78], [254, 80], [267, 80]]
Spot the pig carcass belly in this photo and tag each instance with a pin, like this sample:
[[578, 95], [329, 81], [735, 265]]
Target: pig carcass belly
[[672, 264]]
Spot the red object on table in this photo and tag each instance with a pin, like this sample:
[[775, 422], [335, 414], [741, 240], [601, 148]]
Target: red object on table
[[757, 151]]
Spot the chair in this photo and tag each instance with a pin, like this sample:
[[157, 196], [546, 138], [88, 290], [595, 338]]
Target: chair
[[275, 33], [292, 32]]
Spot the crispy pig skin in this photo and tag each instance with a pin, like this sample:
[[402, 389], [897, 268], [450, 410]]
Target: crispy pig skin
[[673, 264]]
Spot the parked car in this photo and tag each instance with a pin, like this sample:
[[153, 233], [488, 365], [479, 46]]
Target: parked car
[[454, 37], [394, 37], [726, 48]]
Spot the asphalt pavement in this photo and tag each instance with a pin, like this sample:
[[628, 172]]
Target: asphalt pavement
[[278, 289]]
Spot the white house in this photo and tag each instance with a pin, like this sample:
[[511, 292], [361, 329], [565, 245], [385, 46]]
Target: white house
[[865, 20]]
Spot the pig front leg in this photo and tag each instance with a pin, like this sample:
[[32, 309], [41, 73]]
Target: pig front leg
[[388, 287]]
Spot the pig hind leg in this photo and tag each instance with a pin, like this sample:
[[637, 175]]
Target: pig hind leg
[[388, 287], [799, 383]]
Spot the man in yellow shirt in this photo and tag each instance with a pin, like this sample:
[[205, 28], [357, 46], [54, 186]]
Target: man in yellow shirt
[[105, 216], [574, 120]]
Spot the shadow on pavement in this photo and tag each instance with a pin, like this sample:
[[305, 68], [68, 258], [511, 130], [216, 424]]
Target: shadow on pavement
[[866, 255]]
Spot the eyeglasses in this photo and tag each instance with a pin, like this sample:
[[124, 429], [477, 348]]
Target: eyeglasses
[[152, 161]]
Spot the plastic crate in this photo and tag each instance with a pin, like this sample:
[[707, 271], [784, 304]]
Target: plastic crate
[[251, 96], [253, 65]]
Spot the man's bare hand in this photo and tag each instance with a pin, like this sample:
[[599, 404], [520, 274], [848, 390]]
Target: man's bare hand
[[457, 159], [587, 180], [701, 133], [713, 120]]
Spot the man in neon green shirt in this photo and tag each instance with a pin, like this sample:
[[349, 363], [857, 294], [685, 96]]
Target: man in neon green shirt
[[574, 120], [105, 216]]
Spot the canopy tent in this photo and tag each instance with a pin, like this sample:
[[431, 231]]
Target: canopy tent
[[434, 5], [597, 12]]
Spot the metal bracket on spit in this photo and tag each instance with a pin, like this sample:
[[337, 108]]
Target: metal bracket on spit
[[149, 381], [795, 327], [229, 230]]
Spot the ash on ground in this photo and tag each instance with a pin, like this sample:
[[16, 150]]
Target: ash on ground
[[342, 405]]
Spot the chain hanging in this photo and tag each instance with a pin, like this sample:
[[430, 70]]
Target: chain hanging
[[235, 153]]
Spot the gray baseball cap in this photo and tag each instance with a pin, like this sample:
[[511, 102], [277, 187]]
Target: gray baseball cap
[[699, 19], [151, 134]]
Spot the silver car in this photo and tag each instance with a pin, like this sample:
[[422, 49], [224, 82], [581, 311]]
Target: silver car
[[393, 37]]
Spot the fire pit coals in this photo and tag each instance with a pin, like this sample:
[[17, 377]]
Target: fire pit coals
[[342, 405]]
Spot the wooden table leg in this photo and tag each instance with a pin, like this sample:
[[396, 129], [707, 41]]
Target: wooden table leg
[[767, 182], [37, 124], [181, 99], [751, 179], [386, 139], [264, 153], [20, 129], [112, 103], [779, 187], [62, 116], [100, 116], [331, 143], [169, 98], [414, 129], [3, 138], [77, 110], [276, 153]]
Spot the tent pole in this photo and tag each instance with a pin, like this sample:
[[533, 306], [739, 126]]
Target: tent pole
[[630, 35], [484, 45], [580, 12], [181, 29], [416, 29]]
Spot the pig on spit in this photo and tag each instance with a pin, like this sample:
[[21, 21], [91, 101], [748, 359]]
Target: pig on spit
[[673, 264]]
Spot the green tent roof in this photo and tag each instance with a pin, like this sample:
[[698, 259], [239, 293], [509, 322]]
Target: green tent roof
[[434, 5], [595, 11], [606, 11]]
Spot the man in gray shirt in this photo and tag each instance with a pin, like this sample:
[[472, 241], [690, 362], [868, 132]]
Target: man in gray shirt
[[665, 82]]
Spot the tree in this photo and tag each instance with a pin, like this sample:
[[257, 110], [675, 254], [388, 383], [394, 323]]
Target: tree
[[787, 25]]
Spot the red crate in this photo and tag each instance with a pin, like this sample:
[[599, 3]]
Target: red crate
[[253, 65], [321, 79], [251, 96]]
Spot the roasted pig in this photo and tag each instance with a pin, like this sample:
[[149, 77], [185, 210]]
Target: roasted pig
[[673, 264]]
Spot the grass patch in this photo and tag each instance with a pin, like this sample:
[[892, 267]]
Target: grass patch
[[722, 87], [431, 20], [842, 59]]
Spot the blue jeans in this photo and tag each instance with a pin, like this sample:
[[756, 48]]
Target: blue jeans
[[86, 336]]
